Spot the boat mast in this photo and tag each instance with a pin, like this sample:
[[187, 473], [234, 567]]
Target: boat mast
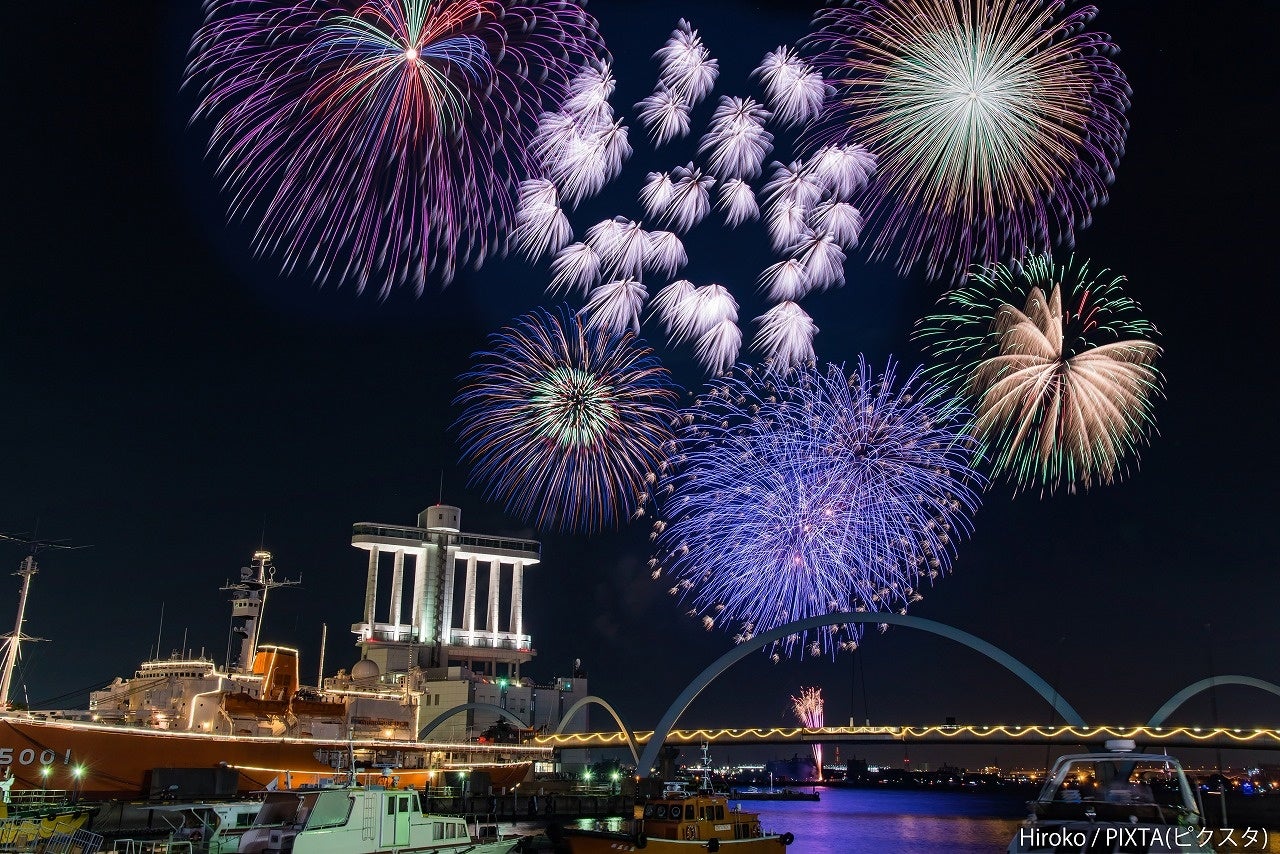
[[13, 640]]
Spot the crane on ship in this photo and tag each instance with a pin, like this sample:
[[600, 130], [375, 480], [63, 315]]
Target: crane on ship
[[11, 643]]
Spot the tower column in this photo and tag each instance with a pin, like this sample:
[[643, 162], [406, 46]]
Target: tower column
[[495, 581], [371, 589], [517, 600], [446, 609], [469, 599], [419, 585], [397, 593]]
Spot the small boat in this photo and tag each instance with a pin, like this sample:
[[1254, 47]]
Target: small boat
[[1120, 800], [210, 828], [351, 819], [681, 821]]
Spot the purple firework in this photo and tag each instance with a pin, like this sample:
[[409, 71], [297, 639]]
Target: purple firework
[[565, 422], [996, 123], [798, 493], [378, 141]]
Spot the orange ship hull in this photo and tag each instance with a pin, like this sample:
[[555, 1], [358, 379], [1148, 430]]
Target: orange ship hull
[[117, 762]]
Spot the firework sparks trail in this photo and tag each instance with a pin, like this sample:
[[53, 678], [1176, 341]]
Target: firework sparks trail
[[996, 123], [791, 494], [1059, 368], [565, 423], [381, 141]]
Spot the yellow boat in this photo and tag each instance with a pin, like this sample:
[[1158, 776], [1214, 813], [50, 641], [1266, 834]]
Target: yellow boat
[[28, 821], [682, 821]]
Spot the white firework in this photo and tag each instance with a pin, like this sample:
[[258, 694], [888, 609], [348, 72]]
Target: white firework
[[666, 254], [785, 280], [738, 202], [841, 219], [589, 94], [718, 347], [792, 182], [736, 142], [795, 91], [785, 335], [667, 303], [785, 221], [842, 169], [822, 257], [655, 195], [623, 247], [539, 229], [687, 69], [664, 115], [616, 305], [701, 310], [690, 200], [576, 268], [579, 156]]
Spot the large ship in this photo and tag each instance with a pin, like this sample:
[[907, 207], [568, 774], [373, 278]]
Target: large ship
[[191, 725]]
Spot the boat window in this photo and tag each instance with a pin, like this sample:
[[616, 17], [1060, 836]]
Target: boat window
[[719, 812], [660, 811], [329, 809], [404, 803], [437, 830], [279, 810], [648, 810], [391, 806]]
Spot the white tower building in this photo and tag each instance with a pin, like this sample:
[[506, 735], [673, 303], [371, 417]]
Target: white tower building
[[441, 610]]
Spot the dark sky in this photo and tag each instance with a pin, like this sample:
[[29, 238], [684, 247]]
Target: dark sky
[[169, 397]]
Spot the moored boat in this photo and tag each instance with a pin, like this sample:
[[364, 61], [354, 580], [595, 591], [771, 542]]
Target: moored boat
[[1120, 800], [681, 820], [359, 820]]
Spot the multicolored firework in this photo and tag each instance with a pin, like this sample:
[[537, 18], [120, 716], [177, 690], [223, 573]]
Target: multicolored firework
[[1058, 365], [565, 423], [808, 710], [380, 140], [996, 123], [798, 493]]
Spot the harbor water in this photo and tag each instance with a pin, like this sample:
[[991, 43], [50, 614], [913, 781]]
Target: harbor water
[[891, 821]]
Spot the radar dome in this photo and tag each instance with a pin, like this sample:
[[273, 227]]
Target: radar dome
[[365, 669]]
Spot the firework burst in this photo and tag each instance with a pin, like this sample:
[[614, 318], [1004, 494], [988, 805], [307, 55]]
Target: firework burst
[[1059, 367], [797, 493], [808, 709], [996, 123], [378, 141], [563, 422]]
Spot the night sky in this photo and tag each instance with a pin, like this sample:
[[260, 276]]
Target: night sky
[[172, 401]]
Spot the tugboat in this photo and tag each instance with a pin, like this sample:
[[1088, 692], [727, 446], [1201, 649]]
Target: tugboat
[[1120, 800], [681, 820]]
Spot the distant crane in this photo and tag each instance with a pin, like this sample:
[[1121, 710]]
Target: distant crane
[[12, 642]]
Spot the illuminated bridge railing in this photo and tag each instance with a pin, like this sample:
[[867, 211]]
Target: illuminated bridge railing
[[1267, 739]]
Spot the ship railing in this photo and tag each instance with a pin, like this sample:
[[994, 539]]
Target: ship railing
[[154, 846], [30, 798], [79, 842]]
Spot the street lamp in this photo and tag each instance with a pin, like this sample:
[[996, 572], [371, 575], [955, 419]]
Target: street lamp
[[76, 773], [44, 780], [586, 775], [614, 788]]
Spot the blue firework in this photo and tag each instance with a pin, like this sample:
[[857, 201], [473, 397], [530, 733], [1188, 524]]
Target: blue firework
[[808, 492], [565, 423]]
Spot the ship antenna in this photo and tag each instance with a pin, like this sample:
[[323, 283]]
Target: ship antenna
[[440, 494], [12, 645]]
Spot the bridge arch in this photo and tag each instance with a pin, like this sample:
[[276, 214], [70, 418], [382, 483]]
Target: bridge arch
[[1162, 714], [448, 713], [733, 656], [600, 701]]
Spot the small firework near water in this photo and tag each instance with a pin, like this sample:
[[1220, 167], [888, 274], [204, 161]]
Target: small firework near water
[[565, 423], [808, 709], [996, 123], [796, 493], [1059, 366], [380, 142]]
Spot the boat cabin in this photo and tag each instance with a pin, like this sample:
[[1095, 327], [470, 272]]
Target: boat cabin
[[681, 814], [351, 820]]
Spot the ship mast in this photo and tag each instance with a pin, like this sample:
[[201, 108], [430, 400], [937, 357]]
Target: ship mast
[[12, 642], [249, 603]]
